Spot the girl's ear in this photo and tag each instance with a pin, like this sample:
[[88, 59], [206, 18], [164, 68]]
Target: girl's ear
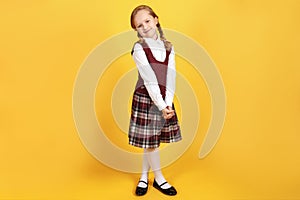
[[156, 20]]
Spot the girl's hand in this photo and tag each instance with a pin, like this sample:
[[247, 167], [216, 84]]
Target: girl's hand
[[168, 113]]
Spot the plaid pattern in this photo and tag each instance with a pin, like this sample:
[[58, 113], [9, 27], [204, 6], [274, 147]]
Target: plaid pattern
[[147, 126]]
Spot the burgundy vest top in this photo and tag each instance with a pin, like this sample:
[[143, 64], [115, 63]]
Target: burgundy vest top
[[160, 69]]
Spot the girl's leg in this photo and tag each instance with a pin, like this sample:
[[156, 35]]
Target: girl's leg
[[154, 161], [145, 170]]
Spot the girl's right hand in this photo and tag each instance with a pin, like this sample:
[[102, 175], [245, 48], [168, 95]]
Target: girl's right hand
[[168, 113]]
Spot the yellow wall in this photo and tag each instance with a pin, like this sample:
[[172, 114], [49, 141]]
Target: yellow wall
[[255, 45]]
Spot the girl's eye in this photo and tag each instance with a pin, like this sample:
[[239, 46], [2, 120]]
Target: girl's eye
[[139, 26], [147, 21]]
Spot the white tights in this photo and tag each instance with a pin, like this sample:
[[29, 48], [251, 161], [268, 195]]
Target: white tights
[[151, 159]]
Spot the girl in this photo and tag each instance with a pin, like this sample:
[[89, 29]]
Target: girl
[[153, 117]]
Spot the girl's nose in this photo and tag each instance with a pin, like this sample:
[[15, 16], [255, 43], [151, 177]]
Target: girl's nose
[[145, 26]]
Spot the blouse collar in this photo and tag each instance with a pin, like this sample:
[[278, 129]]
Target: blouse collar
[[154, 42]]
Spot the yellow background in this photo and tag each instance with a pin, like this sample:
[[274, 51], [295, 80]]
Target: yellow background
[[255, 45]]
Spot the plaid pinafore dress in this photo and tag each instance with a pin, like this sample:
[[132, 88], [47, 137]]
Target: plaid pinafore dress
[[147, 127]]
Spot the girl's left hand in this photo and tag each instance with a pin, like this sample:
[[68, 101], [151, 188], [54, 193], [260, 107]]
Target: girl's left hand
[[168, 113]]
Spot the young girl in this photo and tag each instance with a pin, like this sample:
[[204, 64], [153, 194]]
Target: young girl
[[153, 117]]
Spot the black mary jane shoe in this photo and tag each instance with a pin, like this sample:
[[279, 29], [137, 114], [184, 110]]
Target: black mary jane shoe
[[171, 191], [140, 191]]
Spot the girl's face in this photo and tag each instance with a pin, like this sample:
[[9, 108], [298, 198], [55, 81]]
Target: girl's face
[[145, 24]]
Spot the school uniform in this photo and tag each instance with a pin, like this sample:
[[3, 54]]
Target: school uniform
[[154, 91]]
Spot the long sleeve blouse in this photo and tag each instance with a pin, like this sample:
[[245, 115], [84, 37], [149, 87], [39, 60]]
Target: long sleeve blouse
[[150, 81]]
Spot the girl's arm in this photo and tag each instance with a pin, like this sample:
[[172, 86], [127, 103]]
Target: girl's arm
[[148, 76], [171, 78]]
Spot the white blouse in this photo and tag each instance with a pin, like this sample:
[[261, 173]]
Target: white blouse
[[159, 52]]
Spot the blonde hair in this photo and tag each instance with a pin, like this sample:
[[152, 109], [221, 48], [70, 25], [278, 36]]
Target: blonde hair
[[168, 45]]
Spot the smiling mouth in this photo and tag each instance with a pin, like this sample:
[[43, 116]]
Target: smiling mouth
[[147, 31]]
